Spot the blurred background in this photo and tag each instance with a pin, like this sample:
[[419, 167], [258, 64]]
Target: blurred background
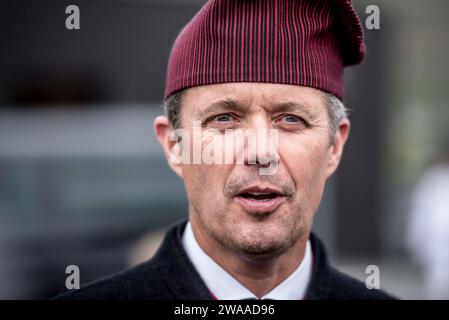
[[83, 180]]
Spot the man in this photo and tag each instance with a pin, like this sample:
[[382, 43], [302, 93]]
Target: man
[[273, 69]]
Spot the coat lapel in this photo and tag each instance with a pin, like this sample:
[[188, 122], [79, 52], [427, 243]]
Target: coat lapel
[[176, 270], [321, 276]]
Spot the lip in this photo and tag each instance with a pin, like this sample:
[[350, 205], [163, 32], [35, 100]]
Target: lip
[[260, 190], [260, 207]]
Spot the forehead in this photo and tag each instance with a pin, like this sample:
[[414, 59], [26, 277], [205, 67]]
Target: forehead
[[251, 95]]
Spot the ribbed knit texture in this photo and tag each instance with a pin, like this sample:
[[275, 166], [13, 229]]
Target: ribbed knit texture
[[299, 42]]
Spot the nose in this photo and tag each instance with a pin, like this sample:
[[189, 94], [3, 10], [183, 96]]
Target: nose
[[261, 145]]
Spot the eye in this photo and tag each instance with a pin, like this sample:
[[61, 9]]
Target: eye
[[292, 118], [221, 121], [223, 118], [291, 121]]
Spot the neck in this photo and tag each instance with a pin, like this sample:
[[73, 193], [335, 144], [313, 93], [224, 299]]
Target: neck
[[259, 276]]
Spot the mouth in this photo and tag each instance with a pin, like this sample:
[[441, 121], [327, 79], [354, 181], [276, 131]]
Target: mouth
[[260, 201]]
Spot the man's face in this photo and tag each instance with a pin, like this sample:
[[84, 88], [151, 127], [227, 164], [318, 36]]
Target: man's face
[[244, 211]]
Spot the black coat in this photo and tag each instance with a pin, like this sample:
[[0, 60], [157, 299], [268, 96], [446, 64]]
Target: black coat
[[170, 275]]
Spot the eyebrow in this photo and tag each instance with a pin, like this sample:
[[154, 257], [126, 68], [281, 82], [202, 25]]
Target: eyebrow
[[230, 104], [227, 104], [290, 106]]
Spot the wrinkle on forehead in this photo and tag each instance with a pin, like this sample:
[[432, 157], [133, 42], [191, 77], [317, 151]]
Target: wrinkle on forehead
[[259, 95]]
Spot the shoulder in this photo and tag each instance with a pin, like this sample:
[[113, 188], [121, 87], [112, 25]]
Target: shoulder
[[345, 287], [169, 275], [328, 283], [140, 282]]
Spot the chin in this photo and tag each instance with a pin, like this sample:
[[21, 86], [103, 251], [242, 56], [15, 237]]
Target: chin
[[263, 252], [262, 246]]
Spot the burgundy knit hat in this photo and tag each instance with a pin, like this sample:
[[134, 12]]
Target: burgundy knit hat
[[300, 42]]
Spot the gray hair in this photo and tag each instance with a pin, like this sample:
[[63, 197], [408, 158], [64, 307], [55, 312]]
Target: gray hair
[[336, 112], [335, 108]]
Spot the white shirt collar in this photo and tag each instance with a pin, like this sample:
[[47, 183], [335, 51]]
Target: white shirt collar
[[225, 287]]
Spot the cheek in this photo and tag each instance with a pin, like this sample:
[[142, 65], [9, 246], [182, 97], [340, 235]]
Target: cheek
[[306, 160], [203, 175], [204, 184]]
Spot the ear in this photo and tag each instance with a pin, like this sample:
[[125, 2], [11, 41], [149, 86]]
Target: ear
[[336, 149], [165, 134]]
